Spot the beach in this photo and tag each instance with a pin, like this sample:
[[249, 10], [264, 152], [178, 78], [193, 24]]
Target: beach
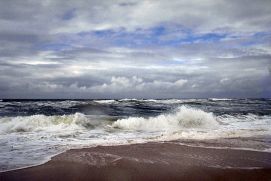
[[174, 139], [135, 90], [149, 161]]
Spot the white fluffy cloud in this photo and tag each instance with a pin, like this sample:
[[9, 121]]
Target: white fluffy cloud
[[126, 84]]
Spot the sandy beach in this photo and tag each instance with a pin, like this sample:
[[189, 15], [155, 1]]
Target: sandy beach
[[149, 161], [135, 90]]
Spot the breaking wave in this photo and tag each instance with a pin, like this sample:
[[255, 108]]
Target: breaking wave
[[184, 117], [30, 139], [220, 99], [42, 122], [109, 101]]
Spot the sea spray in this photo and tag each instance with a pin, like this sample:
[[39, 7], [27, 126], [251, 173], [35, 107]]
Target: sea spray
[[43, 123], [32, 131], [184, 117]]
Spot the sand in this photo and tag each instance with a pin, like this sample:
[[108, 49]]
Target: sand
[[149, 161]]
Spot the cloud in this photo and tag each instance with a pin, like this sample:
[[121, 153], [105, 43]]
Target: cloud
[[118, 84], [124, 84], [150, 49], [199, 16]]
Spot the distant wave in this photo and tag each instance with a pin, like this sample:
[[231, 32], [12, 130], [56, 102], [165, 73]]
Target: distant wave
[[126, 99], [220, 99], [165, 101], [159, 101], [109, 101]]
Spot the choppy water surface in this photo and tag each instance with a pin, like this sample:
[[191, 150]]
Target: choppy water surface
[[31, 131]]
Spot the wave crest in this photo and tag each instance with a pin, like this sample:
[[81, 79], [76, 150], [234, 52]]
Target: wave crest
[[184, 117], [42, 122]]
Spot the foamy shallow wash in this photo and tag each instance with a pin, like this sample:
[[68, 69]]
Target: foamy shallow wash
[[33, 131]]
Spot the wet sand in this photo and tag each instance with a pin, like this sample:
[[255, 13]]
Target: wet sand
[[149, 161]]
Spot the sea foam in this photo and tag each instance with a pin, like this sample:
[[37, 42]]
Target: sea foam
[[28, 140], [44, 123], [184, 117]]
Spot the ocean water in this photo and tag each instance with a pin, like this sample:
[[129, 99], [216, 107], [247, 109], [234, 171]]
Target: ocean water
[[32, 131]]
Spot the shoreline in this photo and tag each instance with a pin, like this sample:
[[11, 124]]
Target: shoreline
[[179, 142], [149, 161]]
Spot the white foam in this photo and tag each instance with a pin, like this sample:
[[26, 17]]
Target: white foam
[[43, 123], [168, 101], [106, 101], [220, 99], [126, 99], [184, 117], [30, 139], [191, 123]]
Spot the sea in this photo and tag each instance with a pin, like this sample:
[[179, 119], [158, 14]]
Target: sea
[[32, 131]]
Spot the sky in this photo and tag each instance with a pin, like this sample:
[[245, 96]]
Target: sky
[[110, 49]]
